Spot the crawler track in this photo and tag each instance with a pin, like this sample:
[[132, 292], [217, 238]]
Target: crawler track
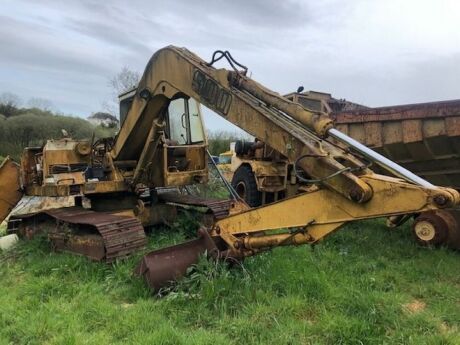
[[97, 235]]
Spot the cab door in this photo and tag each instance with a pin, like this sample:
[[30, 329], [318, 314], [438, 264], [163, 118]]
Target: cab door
[[185, 155]]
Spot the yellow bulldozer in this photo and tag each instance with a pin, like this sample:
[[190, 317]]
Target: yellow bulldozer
[[122, 185]]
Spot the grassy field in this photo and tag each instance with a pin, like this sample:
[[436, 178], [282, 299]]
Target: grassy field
[[363, 285]]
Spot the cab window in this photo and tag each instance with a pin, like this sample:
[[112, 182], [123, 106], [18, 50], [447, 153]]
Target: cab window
[[196, 125], [184, 122]]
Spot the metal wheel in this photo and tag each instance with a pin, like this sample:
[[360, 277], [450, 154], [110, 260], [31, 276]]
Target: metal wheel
[[432, 228]]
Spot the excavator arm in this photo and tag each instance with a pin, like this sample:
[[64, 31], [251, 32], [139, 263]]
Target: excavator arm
[[342, 187]]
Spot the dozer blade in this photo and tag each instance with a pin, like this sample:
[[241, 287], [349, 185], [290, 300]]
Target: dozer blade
[[162, 266], [10, 189]]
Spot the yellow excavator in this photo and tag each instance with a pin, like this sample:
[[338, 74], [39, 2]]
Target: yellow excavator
[[124, 184]]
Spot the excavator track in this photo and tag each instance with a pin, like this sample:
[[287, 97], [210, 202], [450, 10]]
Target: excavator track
[[99, 236]]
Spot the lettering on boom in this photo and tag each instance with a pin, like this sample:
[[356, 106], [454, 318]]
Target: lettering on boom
[[211, 92]]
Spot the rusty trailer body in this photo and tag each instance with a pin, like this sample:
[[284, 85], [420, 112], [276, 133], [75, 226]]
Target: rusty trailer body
[[424, 138]]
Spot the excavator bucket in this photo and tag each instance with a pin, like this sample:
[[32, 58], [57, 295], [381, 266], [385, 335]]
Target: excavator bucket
[[162, 266], [10, 188]]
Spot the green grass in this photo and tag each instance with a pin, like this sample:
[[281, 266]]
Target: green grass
[[363, 285]]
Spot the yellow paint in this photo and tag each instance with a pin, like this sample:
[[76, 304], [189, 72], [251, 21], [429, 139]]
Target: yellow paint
[[326, 211]]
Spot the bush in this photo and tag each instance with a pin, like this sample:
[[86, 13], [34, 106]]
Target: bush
[[220, 141], [33, 127]]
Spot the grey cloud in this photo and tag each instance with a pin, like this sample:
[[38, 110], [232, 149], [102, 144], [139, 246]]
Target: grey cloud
[[32, 46], [112, 34], [256, 13], [432, 79], [66, 51]]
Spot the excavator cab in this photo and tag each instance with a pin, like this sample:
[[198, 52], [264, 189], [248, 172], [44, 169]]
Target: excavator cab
[[185, 157]]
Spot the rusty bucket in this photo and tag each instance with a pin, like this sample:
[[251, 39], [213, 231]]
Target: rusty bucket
[[162, 266]]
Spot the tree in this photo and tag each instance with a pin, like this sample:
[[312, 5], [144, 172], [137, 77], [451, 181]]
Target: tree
[[124, 81], [9, 104], [40, 103], [121, 82]]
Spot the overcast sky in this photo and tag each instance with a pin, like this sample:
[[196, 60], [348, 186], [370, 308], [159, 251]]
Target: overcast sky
[[371, 52]]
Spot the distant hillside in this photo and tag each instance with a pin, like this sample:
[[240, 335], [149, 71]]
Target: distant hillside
[[23, 127]]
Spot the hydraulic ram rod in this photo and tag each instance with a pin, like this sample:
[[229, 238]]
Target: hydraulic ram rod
[[379, 159]]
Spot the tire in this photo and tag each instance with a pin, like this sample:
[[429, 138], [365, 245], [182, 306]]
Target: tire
[[244, 183]]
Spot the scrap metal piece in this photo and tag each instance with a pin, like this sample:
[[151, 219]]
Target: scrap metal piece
[[10, 188]]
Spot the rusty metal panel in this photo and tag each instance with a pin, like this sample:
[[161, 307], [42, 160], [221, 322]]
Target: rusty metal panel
[[10, 189], [424, 138], [373, 135], [357, 131], [412, 131]]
